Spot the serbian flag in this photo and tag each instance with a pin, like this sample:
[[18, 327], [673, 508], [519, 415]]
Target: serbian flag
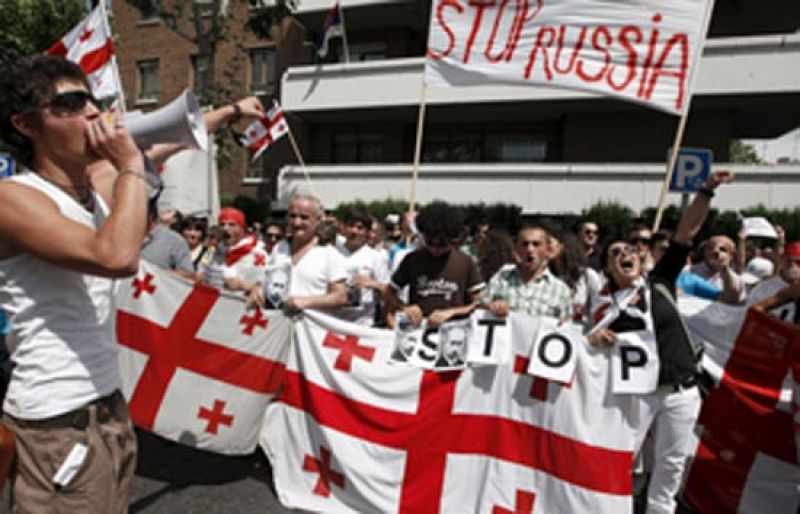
[[333, 27], [746, 457], [265, 131], [353, 433], [89, 44], [197, 367]]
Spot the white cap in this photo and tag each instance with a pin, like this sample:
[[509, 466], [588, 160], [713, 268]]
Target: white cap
[[757, 269]]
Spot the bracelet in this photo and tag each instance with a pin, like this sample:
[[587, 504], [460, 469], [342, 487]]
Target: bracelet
[[151, 180], [237, 113], [706, 191], [137, 174]]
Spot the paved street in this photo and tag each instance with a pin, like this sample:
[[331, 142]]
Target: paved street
[[176, 479]]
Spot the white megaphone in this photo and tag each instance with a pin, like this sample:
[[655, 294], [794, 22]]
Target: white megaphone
[[179, 122]]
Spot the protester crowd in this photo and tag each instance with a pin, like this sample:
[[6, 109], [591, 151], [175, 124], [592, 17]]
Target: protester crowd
[[426, 265]]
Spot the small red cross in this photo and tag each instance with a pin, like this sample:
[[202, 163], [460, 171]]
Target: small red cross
[[215, 416], [253, 133], [86, 35], [349, 348], [524, 504], [144, 285], [256, 320], [539, 385], [259, 259], [326, 473]]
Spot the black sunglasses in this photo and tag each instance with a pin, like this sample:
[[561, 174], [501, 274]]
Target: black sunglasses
[[71, 103], [616, 251], [642, 240]]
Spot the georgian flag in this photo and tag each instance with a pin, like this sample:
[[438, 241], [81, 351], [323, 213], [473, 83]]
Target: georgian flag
[[264, 132], [197, 367], [89, 45], [353, 433], [746, 457]]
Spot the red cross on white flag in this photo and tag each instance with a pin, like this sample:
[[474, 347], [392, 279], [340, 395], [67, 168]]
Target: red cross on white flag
[[260, 134], [89, 44], [401, 439], [192, 370]]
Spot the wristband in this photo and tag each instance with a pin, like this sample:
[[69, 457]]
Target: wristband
[[152, 180], [706, 191], [237, 113]]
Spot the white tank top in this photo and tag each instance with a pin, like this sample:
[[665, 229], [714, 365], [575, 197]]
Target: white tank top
[[62, 324]]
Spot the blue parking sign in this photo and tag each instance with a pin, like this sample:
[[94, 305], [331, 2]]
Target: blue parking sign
[[7, 165], [692, 168]]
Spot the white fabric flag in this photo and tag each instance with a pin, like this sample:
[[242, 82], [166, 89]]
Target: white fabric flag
[[196, 366], [262, 133], [644, 51], [352, 433], [89, 45]]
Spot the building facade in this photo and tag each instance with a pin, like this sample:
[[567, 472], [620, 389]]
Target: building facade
[[549, 150]]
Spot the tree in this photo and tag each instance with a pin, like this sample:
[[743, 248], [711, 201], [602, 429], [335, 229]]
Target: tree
[[743, 153], [31, 26]]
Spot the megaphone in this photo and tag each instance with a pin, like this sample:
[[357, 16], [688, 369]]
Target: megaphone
[[179, 122]]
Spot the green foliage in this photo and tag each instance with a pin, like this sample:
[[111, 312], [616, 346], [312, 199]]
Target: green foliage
[[615, 219], [743, 153], [264, 15], [500, 215], [31, 26]]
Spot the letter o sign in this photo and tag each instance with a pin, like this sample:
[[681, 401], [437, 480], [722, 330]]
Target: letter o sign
[[557, 354]]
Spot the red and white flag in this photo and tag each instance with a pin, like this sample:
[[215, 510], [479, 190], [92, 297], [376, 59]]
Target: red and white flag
[[265, 131], [352, 433], [197, 367], [746, 458], [89, 44]]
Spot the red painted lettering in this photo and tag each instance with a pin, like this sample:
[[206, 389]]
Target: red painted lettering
[[597, 45], [497, 21], [681, 42], [541, 45], [632, 56], [648, 61], [440, 7], [519, 23], [576, 49], [480, 6]]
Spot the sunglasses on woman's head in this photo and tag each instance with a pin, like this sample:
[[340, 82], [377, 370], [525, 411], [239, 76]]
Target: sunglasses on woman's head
[[71, 103]]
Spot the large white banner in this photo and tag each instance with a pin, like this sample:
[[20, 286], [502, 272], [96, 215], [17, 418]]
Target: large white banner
[[353, 432], [644, 51]]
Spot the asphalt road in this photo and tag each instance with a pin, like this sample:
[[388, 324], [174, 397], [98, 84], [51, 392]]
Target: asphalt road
[[176, 479]]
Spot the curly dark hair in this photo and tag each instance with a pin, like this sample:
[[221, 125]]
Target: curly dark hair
[[439, 221], [570, 264], [496, 251], [25, 86]]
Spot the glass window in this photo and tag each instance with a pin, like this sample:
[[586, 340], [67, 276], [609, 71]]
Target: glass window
[[148, 79], [367, 51], [453, 148], [517, 148], [354, 148], [263, 65]]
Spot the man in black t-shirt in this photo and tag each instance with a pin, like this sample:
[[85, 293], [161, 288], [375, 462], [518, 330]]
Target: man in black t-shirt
[[443, 282]]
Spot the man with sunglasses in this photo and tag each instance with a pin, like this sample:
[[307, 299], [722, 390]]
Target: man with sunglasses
[[589, 236], [717, 269], [444, 283], [630, 303], [62, 242]]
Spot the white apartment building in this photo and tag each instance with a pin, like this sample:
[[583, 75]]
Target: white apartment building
[[549, 150]]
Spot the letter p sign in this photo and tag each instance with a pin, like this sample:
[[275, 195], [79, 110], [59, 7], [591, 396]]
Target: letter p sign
[[691, 169]]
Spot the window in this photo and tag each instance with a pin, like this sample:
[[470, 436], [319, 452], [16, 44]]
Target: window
[[453, 148], [201, 78], [206, 7], [263, 66], [367, 51], [517, 148], [352, 148], [148, 80], [149, 10]]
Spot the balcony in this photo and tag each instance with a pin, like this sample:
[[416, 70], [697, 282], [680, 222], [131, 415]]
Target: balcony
[[541, 188]]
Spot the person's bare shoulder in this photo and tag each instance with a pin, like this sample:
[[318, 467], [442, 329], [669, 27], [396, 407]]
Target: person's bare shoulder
[[22, 209]]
